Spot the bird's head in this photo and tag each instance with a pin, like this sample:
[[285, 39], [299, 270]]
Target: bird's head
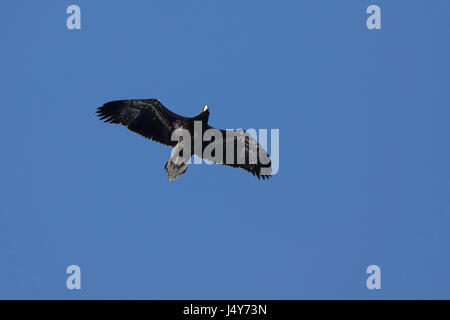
[[204, 115]]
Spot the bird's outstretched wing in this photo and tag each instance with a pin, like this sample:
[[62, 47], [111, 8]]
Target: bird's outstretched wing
[[148, 117], [245, 153]]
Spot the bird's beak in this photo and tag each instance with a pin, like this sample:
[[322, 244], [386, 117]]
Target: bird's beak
[[205, 108]]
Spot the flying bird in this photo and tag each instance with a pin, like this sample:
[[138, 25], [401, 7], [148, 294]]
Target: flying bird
[[149, 118]]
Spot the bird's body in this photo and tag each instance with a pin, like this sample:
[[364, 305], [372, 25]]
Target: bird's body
[[149, 118]]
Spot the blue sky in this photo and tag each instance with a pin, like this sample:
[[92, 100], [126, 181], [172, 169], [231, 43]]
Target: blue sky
[[364, 158]]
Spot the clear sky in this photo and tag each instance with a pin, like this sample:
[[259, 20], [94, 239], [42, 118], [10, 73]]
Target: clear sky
[[364, 158]]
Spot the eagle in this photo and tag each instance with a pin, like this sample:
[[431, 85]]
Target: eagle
[[149, 118]]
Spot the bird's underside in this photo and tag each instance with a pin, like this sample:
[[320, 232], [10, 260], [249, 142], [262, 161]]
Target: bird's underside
[[152, 120]]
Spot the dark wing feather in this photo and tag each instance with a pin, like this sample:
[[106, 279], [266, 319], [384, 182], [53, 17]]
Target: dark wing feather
[[247, 146], [147, 117]]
